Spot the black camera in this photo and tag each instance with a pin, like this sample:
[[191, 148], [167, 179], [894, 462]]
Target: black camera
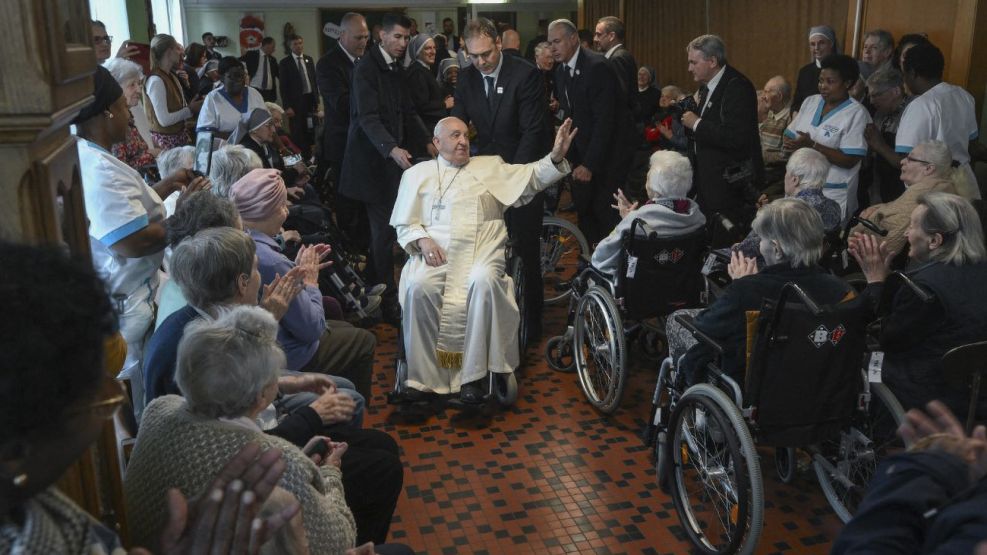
[[687, 104]]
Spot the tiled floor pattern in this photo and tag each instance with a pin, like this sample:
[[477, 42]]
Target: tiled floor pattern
[[551, 475]]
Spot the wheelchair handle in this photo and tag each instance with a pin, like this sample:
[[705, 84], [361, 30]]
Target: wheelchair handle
[[869, 225], [805, 298], [921, 292], [687, 322]]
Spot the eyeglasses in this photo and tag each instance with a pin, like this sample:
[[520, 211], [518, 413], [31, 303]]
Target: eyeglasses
[[111, 395], [917, 161], [102, 39]]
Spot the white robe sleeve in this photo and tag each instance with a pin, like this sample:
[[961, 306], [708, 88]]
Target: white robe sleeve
[[406, 216], [546, 173]]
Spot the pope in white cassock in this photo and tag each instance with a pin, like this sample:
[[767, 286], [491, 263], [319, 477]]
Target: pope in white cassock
[[459, 316]]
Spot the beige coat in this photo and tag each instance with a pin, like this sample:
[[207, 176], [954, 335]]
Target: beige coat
[[895, 215]]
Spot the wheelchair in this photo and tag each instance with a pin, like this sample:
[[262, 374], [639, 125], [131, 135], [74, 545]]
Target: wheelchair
[[501, 387], [655, 276], [806, 387], [562, 247]]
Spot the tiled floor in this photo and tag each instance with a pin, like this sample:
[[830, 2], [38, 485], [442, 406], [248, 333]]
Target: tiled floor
[[551, 475]]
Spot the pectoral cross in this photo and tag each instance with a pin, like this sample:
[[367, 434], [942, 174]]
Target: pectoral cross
[[437, 209]]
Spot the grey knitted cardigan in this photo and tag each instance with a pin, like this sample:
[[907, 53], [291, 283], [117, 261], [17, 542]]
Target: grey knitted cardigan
[[176, 448]]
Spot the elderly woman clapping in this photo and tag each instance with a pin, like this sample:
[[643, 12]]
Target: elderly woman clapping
[[926, 169], [805, 175], [948, 259], [668, 212], [791, 242], [228, 371]]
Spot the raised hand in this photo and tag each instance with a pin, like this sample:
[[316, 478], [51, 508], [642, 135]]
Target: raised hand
[[872, 255], [563, 140], [278, 294], [741, 266]]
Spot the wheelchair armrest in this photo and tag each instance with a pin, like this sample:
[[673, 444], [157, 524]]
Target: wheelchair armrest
[[868, 224], [688, 322]]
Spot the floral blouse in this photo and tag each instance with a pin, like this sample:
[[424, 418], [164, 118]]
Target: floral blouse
[[134, 151]]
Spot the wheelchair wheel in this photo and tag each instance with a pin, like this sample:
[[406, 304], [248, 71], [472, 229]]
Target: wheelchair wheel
[[562, 246], [600, 349], [846, 466], [663, 462], [516, 271], [716, 475], [652, 340], [786, 463], [505, 388], [559, 355]]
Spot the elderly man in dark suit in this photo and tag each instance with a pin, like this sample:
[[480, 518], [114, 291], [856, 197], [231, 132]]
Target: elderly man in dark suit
[[383, 126], [588, 91], [334, 74], [608, 38], [725, 142], [263, 69], [504, 98], [299, 94]]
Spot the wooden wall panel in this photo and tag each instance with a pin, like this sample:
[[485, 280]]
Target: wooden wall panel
[[593, 10], [658, 32], [770, 37]]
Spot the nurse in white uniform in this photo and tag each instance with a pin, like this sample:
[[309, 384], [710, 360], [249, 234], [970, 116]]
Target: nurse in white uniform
[[126, 217], [833, 123], [223, 107]]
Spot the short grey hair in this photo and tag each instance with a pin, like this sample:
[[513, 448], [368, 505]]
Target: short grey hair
[[937, 154], [613, 25], [953, 217], [224, 364], [123, 70], [200, 210], [670, 175], [672, 90], [711, 46], [229, 164], [541, 47], [784, 88], [889, 78], [207, 265], [797, 229], [174, 159], [883, 37], [570, 27], [274, 107], [810, 167]]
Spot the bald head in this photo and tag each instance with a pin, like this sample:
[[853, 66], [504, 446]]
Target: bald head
[[511, 39], [779, 92], [354, 35]]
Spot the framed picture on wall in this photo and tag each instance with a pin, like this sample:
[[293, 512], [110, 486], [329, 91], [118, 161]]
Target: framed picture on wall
[[251, 31]]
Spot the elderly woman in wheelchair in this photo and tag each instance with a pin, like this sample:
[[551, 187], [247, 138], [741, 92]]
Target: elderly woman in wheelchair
[[776, 358], [947, 309], [646, 268]]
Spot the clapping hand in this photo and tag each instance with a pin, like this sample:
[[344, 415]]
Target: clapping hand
[[278, 294], [937, 429], [872, 255], [223, 518], [623, 205], [803, 141], [310, 259], [741, 266]]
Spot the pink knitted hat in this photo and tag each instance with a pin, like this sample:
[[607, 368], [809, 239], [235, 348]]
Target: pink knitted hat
[[258, 194]]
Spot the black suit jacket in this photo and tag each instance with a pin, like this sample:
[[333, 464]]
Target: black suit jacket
[[382, 117], [596, 105], [252, 59], [626, 67], [292, 84], [516, 128], [726, 136], [334, 73]]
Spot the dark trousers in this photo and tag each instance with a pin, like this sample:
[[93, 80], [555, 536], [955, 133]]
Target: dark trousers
[[382, 238], [524, 228], [373, 477], [593, 200], [348, 352], [301, 134], [351, 218]]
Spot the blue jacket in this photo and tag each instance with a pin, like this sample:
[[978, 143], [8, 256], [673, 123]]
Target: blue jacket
[[921, 502]]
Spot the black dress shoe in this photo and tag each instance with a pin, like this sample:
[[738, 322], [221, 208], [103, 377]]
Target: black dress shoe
[[473, 392]]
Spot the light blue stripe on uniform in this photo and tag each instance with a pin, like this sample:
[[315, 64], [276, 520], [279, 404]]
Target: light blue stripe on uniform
[[791, 134], [835, 186], [903, 149], [125, 230], [854, 151]]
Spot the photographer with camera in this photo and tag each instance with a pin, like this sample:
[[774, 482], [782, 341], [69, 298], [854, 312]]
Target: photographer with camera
[[724, 143]]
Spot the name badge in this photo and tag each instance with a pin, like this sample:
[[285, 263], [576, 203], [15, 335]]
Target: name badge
[[500, 90], [874, 367]]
